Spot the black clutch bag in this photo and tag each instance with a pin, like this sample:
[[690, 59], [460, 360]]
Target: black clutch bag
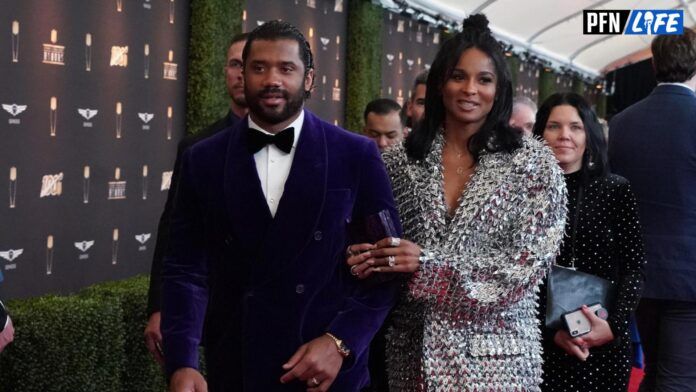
[[568, 289]]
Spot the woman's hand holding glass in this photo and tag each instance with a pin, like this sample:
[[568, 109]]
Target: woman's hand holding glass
[[387, 255]]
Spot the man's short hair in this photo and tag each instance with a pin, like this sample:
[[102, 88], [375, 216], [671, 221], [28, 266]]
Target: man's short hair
[[422, 78], [381, 106], [276, 30], [674, 57], [238, 38], [526, 101]]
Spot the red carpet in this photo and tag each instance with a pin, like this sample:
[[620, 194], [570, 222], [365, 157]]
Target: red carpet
[[636, 376]]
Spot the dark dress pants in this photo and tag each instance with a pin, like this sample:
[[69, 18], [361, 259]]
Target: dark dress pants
[[668, 334]]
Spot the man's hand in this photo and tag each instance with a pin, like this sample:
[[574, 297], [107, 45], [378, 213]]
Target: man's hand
[[601, 332], [187, 380], [7, 334], [573, 346], [153, 337], [316, 363]]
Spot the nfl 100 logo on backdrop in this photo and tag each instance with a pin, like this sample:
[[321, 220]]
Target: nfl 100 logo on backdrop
[[633, 22]]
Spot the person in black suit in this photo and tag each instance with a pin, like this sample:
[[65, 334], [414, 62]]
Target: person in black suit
[[653, 144], [238, 109]]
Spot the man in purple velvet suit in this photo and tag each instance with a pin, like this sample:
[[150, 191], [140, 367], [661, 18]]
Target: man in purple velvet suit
[[259, 236]]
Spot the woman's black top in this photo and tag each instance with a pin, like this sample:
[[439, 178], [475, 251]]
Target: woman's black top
[[608, 244]]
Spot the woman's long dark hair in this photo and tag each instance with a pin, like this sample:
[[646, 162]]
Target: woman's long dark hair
[[495, 134], [594, 160]]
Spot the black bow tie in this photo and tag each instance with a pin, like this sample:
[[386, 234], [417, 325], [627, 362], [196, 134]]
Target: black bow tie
[[283, 140]]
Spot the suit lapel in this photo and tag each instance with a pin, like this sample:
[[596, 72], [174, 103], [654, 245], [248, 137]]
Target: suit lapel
[[303, 197], [245, 204]]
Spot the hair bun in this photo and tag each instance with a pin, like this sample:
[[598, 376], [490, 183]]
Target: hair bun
[[477, 22]]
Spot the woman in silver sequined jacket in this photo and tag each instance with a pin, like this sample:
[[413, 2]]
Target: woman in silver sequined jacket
[[483, 212]]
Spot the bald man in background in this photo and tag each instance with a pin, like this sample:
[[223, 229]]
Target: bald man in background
[[523, 114]]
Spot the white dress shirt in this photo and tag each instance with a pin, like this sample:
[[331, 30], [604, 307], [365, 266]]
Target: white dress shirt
[[273, 165]]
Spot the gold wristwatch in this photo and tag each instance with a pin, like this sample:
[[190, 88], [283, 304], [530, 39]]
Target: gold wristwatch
[[342, 348]]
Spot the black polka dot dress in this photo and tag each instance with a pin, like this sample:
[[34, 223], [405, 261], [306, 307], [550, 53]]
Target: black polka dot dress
[[609, 245]]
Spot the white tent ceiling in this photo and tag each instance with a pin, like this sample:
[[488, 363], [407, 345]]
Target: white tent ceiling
[[553, 28]]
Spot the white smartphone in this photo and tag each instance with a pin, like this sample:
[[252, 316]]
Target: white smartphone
[[578, 324]]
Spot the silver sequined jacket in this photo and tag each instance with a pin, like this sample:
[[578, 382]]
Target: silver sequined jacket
[[466, 320]]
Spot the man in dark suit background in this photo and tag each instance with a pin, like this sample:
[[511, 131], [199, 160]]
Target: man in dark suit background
[[259, 236], [653, 144], [238, 109]]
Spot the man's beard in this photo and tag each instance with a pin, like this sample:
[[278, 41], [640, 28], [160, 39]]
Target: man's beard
[[293, 104], [240, 100]]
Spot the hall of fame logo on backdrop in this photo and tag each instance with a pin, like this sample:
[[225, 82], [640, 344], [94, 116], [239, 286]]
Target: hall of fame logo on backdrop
[[53, 115], [88, 52], [119, 119], [114, 247], [119, 56], [49, 255], [85, 184], [146, 61], [409, 63], [419, 35], [312, 3], [51, 185], [117, 187], [119, 5], [13, 187], [166, 180], [142, 240], [325, 42], [338, 6], [400, 26], [390, 59], [87, 114], [83, 247], [54, 53], [144, 181], [170, 67], [436, 37], [146, 118], [15, 41], [14, 110], [170, 113], [171, 11], [400, 97], [401, 61], [147, 5], [338, 47], [10, 256], [336, 95]]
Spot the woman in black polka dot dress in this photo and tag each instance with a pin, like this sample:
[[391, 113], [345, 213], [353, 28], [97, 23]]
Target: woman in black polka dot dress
[[608, 244]]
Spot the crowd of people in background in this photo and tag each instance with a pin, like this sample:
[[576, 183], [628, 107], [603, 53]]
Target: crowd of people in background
[[305, 257]]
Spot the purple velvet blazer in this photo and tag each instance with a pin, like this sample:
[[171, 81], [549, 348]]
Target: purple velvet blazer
[[267, 285]]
